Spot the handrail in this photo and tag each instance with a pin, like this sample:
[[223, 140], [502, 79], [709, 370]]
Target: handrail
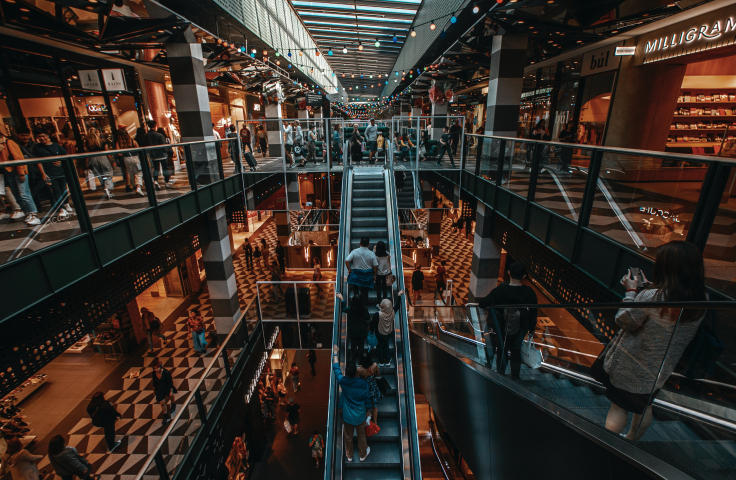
[[436, 453], [173, 423]]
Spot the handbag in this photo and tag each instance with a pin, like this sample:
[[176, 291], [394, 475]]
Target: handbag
[[287, 426], [597, 370], [530, 355], [390, 279], [383, 385], [371, 429], [372, 340]]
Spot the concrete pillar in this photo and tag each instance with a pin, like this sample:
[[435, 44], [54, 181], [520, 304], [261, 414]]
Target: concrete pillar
[[275, 131], [292, 191], [434, 229], [193, 273], [506, 79], [486, 256], [135, 319], [438, 123], [427, 193], [456, 196], [302, 114], [283, 229], [218, 262]]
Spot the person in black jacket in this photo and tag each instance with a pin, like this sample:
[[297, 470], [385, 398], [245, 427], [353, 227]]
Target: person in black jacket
[[163, 386], [281, 256], [159, 157], [248, 250], [514, 323], [104, 415]]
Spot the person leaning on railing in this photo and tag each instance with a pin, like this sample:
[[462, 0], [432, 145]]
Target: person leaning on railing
[[651, 339]]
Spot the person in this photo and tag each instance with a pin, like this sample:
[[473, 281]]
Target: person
[[233, 150], [468, 229], [281, 390], [564, 153], [104, 415], [651, 341], [417, 283], [514, 323], [445, 147], [312, 359], [453, 219], [317, 444], [276, 292], [312, 145], [21, 464], [195, 325], [294, 372], [38, 185], [384, 327], [163, 387], [356, 146], [52, 172], [356, 405], [406, 145], [440, 279], [262, 140], [131, 160], [270, 400], [383, 270], [399, 177], [292, 411], [317, 274], [215, 133], [371, 137], [336, 145], [298, 134], [460, 224], [169, 152], [158, 156], [358, 320], [368, 370], [153, 325], [266, 253], [455, 130], [248, 249], [99, 165], [280, 256], [396, 145], [362, 268], [67, 463], [289, 143], [245, 138], [257, 255]]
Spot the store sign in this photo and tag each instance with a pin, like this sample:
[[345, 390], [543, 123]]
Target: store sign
[[315, 99], [534, 93], [90, 80], [256, 107], [601, 60], [660, 213], [114, 79], [621, 51], [96, 108]]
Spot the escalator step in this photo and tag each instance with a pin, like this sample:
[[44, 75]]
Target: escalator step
[[358, 212], [369, 202], [373, 473], [387, 407], [389, 431], [383, 455], [696, 456], [369, 222]]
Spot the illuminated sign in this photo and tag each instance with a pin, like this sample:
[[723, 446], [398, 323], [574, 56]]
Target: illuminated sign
[[256, 107], [624, 51], [600, 60], [114, 79], [96, 108], [90, 80], [660, 213]]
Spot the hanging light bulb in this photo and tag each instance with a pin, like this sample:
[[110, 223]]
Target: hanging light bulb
[[329, 52], [395, 39], [432, 26], [413, 33], [453, 19], [344, 49], [360, 46], [277, 54], [476, 9], [343, 75], [278, 62], [316, 53], [301, 53], [378, 44], [254, 50], [265, 53], [289, 54], [352, 76]]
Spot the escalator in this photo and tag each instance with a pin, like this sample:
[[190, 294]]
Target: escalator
[[370, 212]]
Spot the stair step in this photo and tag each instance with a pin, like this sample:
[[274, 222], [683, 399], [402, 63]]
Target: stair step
[[369, 202], [388, 473], [382, 455], [373, 211], [387, 407], [369, 193], [371, 242], [389, 431], [362, 184], [356, 232], [369, 222]]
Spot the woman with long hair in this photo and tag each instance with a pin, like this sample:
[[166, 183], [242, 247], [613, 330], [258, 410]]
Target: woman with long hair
[[358, 319], [262, 139], [67, 462], [99, 165], [641, 357], [384, 270], [104, 415], [131, 161], [153, 326], [368, 370], [356, 146]]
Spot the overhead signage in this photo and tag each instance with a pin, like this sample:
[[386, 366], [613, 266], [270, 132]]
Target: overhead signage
[[114, 79], [315, 99], [621, 51], [707, 32], [96, 108], [601, 60], [539, 91], [90, 80]]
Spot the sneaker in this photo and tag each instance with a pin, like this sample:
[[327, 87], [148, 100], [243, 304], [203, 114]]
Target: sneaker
[[367, 452], [156, 186], [140, 192], [117, 444], [170, 184], [173, 407], [4, 216], [350, 459], [68, 208], [63, 214], [166, 419], [32, 221], [18, 216], [108, 194], [128, 189]]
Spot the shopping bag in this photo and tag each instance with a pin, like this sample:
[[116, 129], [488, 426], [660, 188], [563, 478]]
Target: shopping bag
[[390, 279], [372, 340], [371, 429], [91, 180], [530, 355], [2, 184], [287, 426]]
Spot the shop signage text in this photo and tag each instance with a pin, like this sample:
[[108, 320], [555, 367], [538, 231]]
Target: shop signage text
[[707, 32], [113, 77], [539, 91], [625, 51], [601, 60], [315, 99], [90, 80], [660, 213], [94, 108]]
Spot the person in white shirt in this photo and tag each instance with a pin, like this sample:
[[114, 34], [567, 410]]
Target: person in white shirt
[[371, 136], [362, 268], [289, 143], [215, 133]]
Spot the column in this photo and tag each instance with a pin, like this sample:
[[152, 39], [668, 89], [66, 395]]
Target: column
[[292, 191], [506, 79], [283, 229], [427, 193], [456, 197], [195, 281], [438, 123], [275, 131], [135, 319], [218, 262], [486, 256], [434, 229]]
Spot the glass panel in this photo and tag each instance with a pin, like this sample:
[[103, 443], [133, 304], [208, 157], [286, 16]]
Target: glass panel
[[166, 165], [485, 160], [561, 180], [316, 334], [645, 202], [517, 167], [719, 253], [35, 208], [274, 304], [231, 153], [206, 162]]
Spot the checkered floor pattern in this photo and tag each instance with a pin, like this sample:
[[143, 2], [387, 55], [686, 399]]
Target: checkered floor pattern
[[141, 427]]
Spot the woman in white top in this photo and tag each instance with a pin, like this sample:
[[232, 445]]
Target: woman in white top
[[384, 269]]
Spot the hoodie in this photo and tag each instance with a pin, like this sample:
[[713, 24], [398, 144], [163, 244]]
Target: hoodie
[[21, 465]]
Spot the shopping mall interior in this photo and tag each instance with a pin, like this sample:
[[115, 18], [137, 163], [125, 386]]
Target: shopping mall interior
[[472, 239]]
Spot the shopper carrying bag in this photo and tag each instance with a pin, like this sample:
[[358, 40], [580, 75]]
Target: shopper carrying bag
[[530, 355]]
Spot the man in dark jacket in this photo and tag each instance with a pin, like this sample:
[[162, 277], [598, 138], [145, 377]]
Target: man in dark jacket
[[104, 415], [514, 323], [159, 157], [281, 256]]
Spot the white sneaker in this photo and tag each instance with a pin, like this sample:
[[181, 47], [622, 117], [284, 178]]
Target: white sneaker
[[156, 186], [32, 221], [171, 182], [4, 216], [367, 452], [18, 216], [63, 214], [68, 208], [139, 191], [350, 459], [108, 194]]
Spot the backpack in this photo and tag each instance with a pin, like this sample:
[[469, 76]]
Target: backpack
[[96, 416], [514, 319]]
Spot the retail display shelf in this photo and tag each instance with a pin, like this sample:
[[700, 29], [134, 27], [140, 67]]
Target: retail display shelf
[[697, 129], [729, 102], [28, 388], [705, 116]]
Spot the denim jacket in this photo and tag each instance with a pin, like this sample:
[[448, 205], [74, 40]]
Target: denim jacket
[[355, 398]]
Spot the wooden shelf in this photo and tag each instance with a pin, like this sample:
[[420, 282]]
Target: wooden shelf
[[708, 103], [723, 129], [692, 144]]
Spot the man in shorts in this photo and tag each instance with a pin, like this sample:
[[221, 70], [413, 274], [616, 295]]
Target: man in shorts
[[371, 136]]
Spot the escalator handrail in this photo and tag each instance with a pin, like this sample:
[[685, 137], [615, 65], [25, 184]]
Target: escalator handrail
[[394, 237], [332, 438]]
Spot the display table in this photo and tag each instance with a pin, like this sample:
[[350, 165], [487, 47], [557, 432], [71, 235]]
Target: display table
[[112, 348]]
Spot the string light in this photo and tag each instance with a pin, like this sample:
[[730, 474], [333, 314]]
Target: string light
[[432, 26], [329, 52], [395, 39], [378, 44], [360, 46], [344, 49], [413, 33], [453, 19], [476, 9]]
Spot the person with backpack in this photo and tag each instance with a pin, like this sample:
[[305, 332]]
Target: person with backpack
[[152, 324], [514, 323], [233, 150], [104, 415], [159, 157]]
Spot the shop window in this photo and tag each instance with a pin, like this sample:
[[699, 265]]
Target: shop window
[[92, 113], [594, 109], [44, 109]]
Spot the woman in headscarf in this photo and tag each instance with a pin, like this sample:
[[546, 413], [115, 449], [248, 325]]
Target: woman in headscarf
[[383, 324]]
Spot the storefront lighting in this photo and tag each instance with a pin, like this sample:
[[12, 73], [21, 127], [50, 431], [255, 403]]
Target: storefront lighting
[[413, 33]]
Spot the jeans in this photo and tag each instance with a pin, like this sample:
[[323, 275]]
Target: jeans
[[58, 189], [348, 439], [133, 167], [356, 348], [249, 260], [382, 290], [9, 200], [295, 382], [161, 165], [264, 146], [110, 435], [443, 149], [102, 169], [150, 338], [21, 191], [383, 352]]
